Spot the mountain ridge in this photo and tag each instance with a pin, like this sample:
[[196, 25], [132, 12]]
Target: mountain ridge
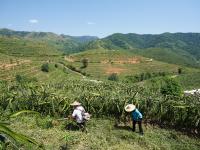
[[64, 43], [177, 48], [185, 45]]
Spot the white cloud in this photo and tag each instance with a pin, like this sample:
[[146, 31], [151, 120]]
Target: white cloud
[[91, 23], [33, 21]]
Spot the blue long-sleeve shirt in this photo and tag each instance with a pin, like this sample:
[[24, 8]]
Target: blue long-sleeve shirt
[[136, 115]]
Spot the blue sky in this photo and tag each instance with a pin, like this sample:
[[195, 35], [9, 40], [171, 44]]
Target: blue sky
[[101, 17]]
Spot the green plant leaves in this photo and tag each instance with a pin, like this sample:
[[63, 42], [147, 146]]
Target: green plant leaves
[[16, 136], [24, 111]]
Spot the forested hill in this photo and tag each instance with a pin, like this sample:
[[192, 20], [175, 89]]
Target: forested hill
[[180, 48], [64, 43], [175, 48]]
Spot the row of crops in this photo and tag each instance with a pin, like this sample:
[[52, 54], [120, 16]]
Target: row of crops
[[101, 99]]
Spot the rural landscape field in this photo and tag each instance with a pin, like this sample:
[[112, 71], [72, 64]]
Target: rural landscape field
[[44, 68]]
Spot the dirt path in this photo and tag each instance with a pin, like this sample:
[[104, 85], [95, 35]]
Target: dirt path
[[72, 71]]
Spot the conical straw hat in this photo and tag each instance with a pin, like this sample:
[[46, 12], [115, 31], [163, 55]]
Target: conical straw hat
[[129, 108], [75, 103]]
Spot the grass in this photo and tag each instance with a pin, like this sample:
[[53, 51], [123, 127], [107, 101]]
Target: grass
[[103, 135]]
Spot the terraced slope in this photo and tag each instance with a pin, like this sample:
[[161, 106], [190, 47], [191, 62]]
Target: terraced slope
[[103, 62]]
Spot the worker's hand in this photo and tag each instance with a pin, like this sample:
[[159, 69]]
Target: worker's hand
[[70, 117]]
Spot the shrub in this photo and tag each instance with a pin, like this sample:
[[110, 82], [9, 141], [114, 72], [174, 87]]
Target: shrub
[[83, 73], [148, 75], [179, 70], [84, 62], [19, 78], [76, 70], [56, 65], [171, 87], [113, 77], [45, 67], [130, 79], [142, 76], [162, 74]]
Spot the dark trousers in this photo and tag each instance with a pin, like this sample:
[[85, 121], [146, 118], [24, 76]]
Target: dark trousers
[[82, 126], [139, 124]]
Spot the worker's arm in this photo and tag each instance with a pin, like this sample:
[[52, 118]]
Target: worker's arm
[[139, 115], [73, 116]]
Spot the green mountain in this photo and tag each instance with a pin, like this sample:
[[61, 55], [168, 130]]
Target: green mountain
[[178, 48], [64, 43], [175, 48]]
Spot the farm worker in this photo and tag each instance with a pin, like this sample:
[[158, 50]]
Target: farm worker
[[136, 116], [78, 115]]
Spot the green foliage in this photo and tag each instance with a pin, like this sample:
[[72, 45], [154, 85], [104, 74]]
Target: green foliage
[[180, 70], [113, 77], [85, 62], [24, 79], [45, 67], [44, 123], [22, 112], [69, 140], [171, 87], [167, 109], [143, 76], [71, 67], [56, 65], [19, 137], [10, 135]]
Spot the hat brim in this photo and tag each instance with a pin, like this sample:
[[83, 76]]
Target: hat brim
[[75, 104], [129, 108]]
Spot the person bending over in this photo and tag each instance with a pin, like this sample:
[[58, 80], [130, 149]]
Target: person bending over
[[136, 117]]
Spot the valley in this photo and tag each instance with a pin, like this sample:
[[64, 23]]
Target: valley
[[42, 73]]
